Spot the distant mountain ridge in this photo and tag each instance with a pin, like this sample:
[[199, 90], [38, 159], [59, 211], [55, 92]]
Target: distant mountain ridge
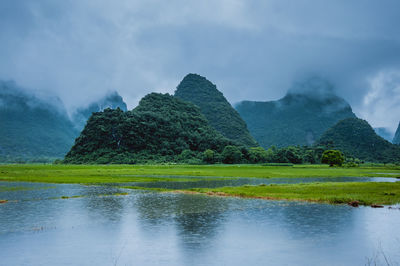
[[35, 129], [31, 128], [300, 118], [356, 138], [214, 106]]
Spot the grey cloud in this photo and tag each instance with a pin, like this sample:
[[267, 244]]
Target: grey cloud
[[255, 50]]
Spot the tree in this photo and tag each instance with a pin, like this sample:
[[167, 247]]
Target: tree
[[309, 156], [231, 154], [209, 156], [271, 154], [293, 154], [257, 155], [289, 154], [332, 157]]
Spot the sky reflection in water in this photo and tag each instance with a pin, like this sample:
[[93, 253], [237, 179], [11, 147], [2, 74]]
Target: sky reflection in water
[[146, 228]]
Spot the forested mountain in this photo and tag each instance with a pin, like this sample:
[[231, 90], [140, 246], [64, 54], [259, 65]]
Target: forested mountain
[[214, 106], [160, 128], [112, 100], [396, 139], [31, 128], [299, 118], [356, 138], [384, 133]]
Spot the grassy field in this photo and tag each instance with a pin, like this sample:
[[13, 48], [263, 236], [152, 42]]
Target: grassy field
[[88, 174], [336, 193]]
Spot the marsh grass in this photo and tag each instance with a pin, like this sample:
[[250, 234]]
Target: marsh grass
[[330, 192]]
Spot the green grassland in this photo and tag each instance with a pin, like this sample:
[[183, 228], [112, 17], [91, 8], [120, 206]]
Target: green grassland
[[89, 174]]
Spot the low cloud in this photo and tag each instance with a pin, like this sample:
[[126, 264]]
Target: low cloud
[[381, 103], [254, 50]]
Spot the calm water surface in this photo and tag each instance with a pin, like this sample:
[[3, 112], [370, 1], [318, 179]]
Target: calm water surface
[[37, 227]]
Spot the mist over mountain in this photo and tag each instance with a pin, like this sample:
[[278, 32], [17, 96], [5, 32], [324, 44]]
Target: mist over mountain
[[214, 106], [37, 127], [32, 128], [384, 133], [159, 129], [314, 87], [396, 139], [15, 97], [356, 138], [111, 100], [300, 118]]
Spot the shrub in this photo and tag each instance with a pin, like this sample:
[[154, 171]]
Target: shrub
[[332, 157]]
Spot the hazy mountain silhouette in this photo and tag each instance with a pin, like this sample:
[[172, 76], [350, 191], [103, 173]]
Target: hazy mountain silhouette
[[300, 118]]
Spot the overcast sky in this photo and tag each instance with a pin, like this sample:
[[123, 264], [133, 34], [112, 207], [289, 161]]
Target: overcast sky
[[252, 50]]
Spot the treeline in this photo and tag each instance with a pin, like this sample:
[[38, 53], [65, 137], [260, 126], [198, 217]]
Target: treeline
[[229, 154], [255, 155]]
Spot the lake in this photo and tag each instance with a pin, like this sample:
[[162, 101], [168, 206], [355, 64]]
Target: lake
[[101, 227]]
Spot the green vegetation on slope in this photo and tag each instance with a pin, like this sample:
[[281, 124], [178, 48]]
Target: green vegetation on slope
[[214, 106], [300, 118], [364, 193], [161, 128], [356, 138]]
